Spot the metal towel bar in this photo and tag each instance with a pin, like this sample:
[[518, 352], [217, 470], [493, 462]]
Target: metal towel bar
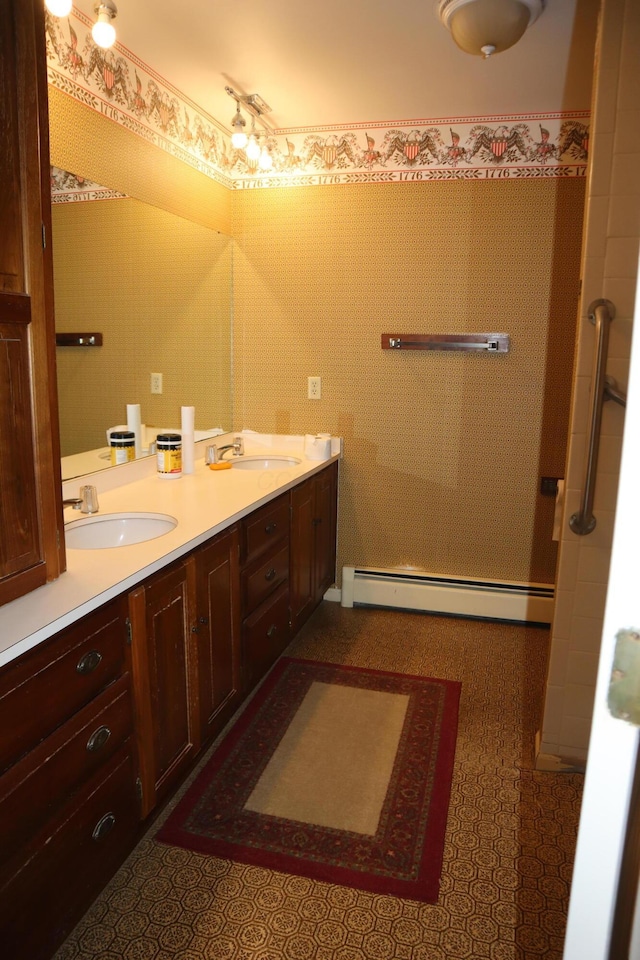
[[465, 342], [601, 313]]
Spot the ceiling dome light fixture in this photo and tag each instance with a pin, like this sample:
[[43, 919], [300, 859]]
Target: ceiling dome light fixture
[[485, 27], [59, 8], [103, 31]]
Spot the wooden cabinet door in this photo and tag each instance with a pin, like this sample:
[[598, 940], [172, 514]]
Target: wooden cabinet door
[[301, 576], [32, 546], [313, 543], [215, 625], [324, 524], [164, 675]]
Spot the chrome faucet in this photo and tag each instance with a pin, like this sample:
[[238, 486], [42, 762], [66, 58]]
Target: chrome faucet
[[87, 502], [215, 453]]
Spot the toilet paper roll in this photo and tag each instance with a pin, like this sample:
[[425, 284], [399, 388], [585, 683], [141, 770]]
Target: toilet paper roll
[[317, 447], [188, 415], [558, 511], [134, 424]]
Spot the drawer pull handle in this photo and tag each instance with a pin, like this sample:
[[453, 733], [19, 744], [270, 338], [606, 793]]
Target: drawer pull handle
[[271, 527], [203, 619], [98, 739], [270, 574], [104, 826], [89, 662], [271, 632]]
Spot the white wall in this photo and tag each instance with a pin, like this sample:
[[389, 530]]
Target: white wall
[[614, 742], [609, 270]]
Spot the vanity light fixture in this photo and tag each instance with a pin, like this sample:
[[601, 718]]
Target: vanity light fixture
[[238, 137], [256, 107], [103, 30], [485, 27], [59, 8]]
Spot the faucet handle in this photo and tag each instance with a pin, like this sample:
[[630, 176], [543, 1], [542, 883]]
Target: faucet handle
[[89, 496], [238, 446]]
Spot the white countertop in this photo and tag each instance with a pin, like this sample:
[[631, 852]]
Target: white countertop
[[203, 503]]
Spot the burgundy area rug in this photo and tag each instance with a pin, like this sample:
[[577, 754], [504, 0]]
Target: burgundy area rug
[[335, 773]]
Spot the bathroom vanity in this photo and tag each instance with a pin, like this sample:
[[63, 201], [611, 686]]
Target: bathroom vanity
[[148, 651]]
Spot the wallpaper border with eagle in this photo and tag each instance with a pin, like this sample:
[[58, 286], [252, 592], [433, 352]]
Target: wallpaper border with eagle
[[119, 86]]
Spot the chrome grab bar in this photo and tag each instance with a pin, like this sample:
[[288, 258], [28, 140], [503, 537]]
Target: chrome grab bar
[[601, 313], [612, 392]]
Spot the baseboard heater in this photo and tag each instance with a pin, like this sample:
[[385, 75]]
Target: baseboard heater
[[414, 590]]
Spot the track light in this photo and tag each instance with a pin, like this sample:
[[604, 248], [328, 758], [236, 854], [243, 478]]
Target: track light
[[103, 30], [59, 8], [485, 27], [254, 105]]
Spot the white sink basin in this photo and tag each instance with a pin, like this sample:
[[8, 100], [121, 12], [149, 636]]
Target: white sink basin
[[116, 530], [264, 463]]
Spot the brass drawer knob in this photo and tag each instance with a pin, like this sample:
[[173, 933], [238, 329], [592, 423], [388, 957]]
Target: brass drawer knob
[[98, 739], [89, 662], [270, 574], [271, 527], [271, 632], [104, 826]]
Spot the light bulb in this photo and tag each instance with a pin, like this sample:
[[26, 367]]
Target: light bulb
[[103, 32], [238, 137], [59, 8], [253, 149], [266, 160]]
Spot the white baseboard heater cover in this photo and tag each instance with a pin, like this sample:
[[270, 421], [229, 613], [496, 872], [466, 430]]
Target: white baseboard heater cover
[[414, 590]]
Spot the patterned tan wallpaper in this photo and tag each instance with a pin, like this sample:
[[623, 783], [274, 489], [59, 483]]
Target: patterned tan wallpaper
[[87, 143], [158, 288], [443, 452]]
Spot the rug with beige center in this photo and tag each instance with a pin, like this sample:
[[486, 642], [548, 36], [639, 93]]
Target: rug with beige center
[[331, 772]]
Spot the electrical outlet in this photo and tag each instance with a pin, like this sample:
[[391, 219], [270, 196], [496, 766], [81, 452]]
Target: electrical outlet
[[156, 383], [314, 388]]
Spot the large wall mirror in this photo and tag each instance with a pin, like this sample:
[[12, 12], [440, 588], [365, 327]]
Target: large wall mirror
[[158, 288]]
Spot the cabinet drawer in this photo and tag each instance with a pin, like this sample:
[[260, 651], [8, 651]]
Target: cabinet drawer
[[50, 683], [265, 635], [265, 527], [34, 790], [48, 895], [260, 580]]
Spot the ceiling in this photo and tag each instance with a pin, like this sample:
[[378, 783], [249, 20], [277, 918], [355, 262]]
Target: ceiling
[[356, 61]]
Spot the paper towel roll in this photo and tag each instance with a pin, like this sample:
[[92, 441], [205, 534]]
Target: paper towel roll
[[188, 444], [317, 447], [133, 424], [558, 511]]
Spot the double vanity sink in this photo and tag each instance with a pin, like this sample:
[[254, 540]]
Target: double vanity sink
[[177, 599], [104, 531], [146, 522]]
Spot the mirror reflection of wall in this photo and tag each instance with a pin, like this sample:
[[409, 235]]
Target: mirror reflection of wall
[[158, 288], [153, 252]]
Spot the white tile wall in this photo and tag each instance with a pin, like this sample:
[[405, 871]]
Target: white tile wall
[[609, 269]]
